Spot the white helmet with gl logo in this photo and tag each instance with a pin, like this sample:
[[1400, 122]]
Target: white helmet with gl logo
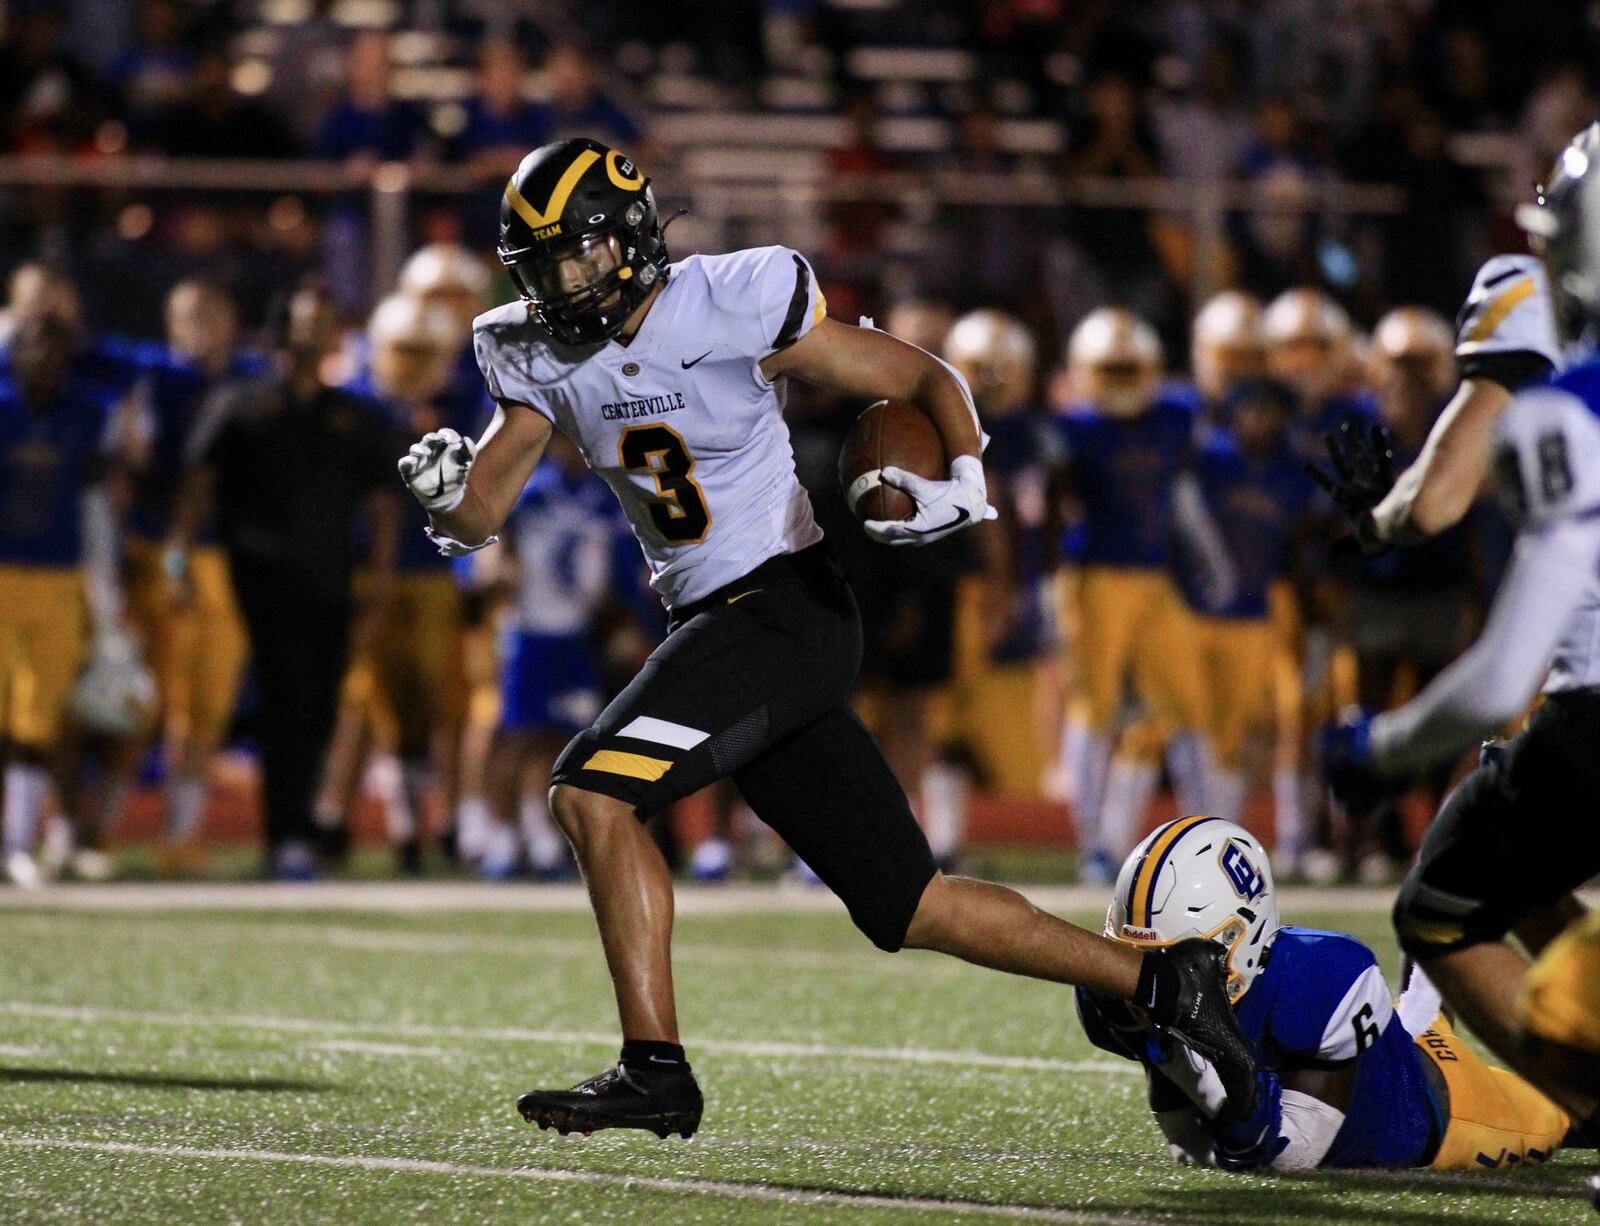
[[1199, 877]]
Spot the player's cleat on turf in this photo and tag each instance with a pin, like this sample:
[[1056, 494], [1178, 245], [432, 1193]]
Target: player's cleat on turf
[[712, 860], [1183, 988], [22, 871], [91, 864], [662, 1103]]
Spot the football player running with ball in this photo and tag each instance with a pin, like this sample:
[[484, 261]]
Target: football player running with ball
[[669, 379]]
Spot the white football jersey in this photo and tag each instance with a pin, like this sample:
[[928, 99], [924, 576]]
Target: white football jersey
[[1547, 470], [1507, 313], [680, 422]]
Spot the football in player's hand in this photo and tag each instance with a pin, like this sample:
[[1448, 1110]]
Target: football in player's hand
[[890, 434]]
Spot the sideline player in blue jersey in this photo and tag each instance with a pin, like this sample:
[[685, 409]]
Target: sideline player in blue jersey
[[1257, 494], [1347, 1078], [57, 563], [191, 624], [403, 699], [1128, 444]]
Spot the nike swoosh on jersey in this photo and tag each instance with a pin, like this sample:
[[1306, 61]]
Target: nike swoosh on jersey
[[696, 362]]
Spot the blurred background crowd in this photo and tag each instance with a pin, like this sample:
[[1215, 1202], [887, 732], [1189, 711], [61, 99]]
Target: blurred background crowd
[[1171, 244]]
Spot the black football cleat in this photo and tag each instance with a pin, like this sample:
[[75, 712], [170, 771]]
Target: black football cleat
[[1184, 989], [663, 1103]]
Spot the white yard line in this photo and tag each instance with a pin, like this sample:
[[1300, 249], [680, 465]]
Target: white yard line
[[425, 897], [861, 958], [730, 1047], [768, 1193]]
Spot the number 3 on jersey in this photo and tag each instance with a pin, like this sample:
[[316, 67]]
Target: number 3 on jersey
[[680, 513]]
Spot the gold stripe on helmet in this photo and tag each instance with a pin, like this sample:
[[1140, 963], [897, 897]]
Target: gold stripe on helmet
[[558, 198], [1495, 313], [1144, 882]]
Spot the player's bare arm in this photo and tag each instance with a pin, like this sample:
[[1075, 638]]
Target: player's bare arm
[[1435, 492], [469, 489], [872, 364], [866, 362]]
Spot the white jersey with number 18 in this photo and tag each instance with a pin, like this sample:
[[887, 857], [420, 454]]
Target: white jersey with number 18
[[680, 422]]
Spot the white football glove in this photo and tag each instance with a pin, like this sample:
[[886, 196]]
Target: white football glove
[[436, 469], [943, 507]]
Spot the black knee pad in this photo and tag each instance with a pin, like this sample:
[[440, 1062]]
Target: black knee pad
[[1430, 922]]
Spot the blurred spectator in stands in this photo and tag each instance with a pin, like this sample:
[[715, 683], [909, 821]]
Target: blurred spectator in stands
[[1562, 104], [1204, 130], [215, 121], [856, 225], [367, 126], [1011, 34], [577, 105], [986, 254], [501, 125], [788, 31], [1431, 247], [1276, 244], [1464, 91], [154, 74], [291, 466], [50, 100], [1107, 254], [305, 68]]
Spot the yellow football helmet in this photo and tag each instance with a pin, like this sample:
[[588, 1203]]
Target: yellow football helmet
[[1308, 338], [1225, 344], [449, 276], [1413, 355], [1114, 361], [995, 353], [413, 343]]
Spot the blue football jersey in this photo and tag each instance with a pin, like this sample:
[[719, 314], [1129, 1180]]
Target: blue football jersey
[[1122, 470], [1322, 1002]]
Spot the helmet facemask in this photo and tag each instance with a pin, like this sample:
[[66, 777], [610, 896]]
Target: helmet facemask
[[581, 291]]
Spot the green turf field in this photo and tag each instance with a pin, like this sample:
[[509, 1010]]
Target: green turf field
[[174, 1064]]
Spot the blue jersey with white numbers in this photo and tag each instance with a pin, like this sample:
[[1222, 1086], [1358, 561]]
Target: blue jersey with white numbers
[[574, 552], [1321, 1002]]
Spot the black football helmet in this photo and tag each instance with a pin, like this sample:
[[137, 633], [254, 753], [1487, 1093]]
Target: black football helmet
[[1563, 226], [581, 238]]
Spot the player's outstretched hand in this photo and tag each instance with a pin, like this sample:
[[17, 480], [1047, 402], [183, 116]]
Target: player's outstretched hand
[[1362, 456], [436, 469], [943, 507], [1346, 756]]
